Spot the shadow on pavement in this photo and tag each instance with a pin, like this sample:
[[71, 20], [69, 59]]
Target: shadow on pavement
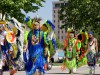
[[70, 74], [60, 73], [93, 74]]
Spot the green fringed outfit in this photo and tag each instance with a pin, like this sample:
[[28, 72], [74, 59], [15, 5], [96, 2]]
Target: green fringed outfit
[[70, 54], [83, 37], [72, 50]]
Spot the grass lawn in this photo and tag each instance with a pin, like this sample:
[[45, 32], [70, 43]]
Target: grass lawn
[[57, 64]]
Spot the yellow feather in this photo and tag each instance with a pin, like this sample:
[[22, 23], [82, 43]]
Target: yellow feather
[[14, 49]]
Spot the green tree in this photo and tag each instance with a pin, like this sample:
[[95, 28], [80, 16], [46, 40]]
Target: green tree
[[81, 14], [59, 44], [14, 7]]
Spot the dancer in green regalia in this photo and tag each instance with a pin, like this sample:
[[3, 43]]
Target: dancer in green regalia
[[72, 50]]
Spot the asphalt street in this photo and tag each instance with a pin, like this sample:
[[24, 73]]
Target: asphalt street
[[57, 71]]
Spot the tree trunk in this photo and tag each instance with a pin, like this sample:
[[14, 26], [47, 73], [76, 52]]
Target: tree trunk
[[2, 15]]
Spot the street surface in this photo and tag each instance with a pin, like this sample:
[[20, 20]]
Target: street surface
[[57, 71]]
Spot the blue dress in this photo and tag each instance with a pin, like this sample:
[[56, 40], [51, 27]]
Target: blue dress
[[35, 53]]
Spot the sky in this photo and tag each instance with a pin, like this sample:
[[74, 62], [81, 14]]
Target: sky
[[44, 12]]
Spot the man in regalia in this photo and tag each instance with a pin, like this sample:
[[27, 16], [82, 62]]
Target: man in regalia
[[35, 46], [72, 50]]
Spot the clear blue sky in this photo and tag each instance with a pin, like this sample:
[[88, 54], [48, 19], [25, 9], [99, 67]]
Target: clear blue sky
[[44, 12]]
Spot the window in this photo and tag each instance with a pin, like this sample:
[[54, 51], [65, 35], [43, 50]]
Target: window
[[66, 4], [57, 5], [65, 31], [58, 26], [54, 16], [54, 11], [54, 21], [58, 37], [58, 21], [62, 37], [62, 31], [62, 4], [58, 32], [58, 11]]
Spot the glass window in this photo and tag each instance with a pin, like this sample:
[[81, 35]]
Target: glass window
[[58, 26], [58, 21], [58, 32], [58, 37], [62, 31], [57, 5], [58, 11], [66, 4], [62, 4], [54, 21], [54, 16], [62, 37], [54, 11]]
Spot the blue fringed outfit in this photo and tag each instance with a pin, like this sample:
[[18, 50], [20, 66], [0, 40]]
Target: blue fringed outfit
[[35, 53]]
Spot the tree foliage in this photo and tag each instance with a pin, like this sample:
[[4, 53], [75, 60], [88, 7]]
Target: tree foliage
[[81, 14], [59, 44], [13, 7]]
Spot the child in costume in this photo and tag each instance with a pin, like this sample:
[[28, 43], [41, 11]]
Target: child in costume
[[72, 50], [92, 52], [35, 46]]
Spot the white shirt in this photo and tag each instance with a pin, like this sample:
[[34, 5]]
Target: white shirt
[[92, 46]]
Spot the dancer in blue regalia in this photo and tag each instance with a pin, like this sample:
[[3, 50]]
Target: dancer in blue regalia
[[35, 45]]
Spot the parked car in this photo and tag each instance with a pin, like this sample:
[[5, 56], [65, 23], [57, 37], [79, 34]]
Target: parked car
[[58, 57]]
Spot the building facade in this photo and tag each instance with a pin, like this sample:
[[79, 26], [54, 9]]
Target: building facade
[[60, 33]]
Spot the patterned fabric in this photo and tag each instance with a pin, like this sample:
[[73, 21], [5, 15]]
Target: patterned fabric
[[91, 59], [70, 54], [8, 55], [71, 64], [91, 56], [36, 58], [83, 37]]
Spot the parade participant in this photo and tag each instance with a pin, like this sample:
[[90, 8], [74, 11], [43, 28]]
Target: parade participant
[[49, 42], [92, 52], [83, 37], [7, 49], [35, 46], [72, 50], [1, 43], [20, 32]]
